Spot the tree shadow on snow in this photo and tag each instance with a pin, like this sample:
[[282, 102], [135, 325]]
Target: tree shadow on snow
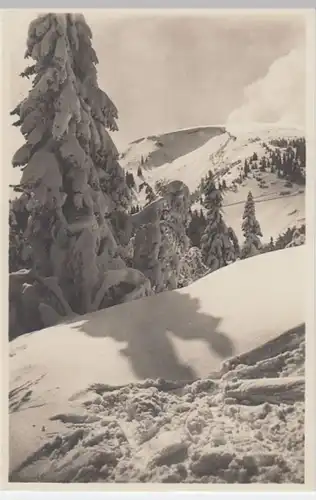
[[150, 327]]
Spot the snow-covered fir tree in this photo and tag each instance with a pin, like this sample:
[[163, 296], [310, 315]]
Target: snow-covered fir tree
[[130, 181], [76, 191], [149, 192], [298, 238], [173, 226], [293, 236], [251, 230], [160, 238], [218, 242], [161, 187], [246, 168], [192, 267], [20, 253], [235, 242], [196, 227]]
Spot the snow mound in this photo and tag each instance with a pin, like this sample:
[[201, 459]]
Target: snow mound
[[180, 335]]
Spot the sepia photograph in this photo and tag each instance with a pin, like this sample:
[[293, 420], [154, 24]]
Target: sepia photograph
[[156, 167]]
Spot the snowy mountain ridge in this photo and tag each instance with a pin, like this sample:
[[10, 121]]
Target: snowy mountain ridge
[[189, 154], [198, 143]]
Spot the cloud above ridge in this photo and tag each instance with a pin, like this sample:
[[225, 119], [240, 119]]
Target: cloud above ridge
[[278, 97]]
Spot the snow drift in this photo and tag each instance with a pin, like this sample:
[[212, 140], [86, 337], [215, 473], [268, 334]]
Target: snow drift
[[180, 335]]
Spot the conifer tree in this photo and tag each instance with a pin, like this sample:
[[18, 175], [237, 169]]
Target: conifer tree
[[251, 229], [255, 156], [196, 228], [130, 181], [20, 254], [160, 237], [71, 173], [216, 243], [161, 187], [246, 168], [235, 242], [150, 194], [192, 267]]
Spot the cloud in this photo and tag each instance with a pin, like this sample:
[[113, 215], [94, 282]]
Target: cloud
[[278, 97]]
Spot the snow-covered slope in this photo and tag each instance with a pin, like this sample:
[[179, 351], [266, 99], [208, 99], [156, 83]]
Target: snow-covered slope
[[183, 154], [189, 154], [277, 205], [178, 335]]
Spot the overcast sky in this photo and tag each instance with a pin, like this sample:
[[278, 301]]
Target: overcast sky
[[165, 72]]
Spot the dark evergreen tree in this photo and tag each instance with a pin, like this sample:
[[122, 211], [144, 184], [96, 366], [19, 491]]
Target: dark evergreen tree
[[20, 252], [161, 187], [263, 164], [150, 194], [196, 227], [288, 238], [251, 229], [202, 216], [130, 181], [235, 242], [246, 168]]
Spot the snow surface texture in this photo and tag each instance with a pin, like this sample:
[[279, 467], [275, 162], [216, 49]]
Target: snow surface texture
[[189, 154], [80, 409]]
